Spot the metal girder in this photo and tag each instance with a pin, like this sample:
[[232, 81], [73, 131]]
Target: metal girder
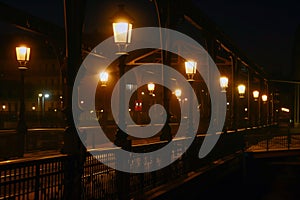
[[32, 24]]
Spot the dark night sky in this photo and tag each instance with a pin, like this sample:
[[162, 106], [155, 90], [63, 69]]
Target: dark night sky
[[263, 29]]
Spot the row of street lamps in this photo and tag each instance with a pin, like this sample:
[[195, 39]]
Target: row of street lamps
[[122, 30], [23, 57]]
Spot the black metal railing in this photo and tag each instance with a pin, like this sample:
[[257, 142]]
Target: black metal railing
[[33, 179], [271, 139], [44, 178], [36, 140]]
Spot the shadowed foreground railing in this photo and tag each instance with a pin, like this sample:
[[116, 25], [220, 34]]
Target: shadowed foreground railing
[[273, 139], [33, 179], [44, 178]]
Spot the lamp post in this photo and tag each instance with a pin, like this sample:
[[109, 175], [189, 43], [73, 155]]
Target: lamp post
[[241, 90], [23, 56], [256, 98], [223, 83], [178, 93], [103, 77], [151, 87], [122, 28], [190, 70], [43, 97], [264, 99]]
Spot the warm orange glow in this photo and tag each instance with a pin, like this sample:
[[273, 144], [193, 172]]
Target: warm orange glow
[[285, 110], [122, 32], [264, 98], [151, 87], [103, 76], [255, 94], [224, 83], [241, 90], [190, 69], [23, 56], [178, 93]]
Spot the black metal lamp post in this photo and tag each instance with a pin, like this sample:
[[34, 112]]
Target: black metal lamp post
[[257, 99], [240, 114], [264, 99], [224, 85], [23, 56], [190, 70], [103, 77], [122, 28]]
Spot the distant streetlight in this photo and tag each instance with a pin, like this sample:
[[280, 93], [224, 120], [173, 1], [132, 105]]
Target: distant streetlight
[[255, 95], [151, 87], [178, 93], [256, 98], [190, 69], [23, 56], [264, 98], [42, 97], [103, 76], [241, 90], [122, 28], [224, 83]]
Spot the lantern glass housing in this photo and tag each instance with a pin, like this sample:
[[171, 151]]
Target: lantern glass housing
[[241, 90], [151, 87], [103, 78], [178, 93], [223, 83], [122, 29], [264, 98], [23, 56], [255, 94], [190, 69]]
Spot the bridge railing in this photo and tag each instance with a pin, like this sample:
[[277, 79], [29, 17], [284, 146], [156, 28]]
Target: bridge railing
[[274, 138], [33, 179], [45, 177], [36, 140]]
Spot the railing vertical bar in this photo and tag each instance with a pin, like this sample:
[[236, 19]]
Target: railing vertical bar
[[37, 181]]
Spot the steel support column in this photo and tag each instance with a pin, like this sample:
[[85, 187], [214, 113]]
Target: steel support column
[[74, 15]]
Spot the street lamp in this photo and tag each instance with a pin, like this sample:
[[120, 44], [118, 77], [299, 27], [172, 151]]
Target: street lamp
[[255, 95], [151, 87], [42, 105], [256, 98], [223, 83], [190, 69], [103, 76], [178, 93], [122, 28], [264, 98], [23, 56], [241, 90]]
